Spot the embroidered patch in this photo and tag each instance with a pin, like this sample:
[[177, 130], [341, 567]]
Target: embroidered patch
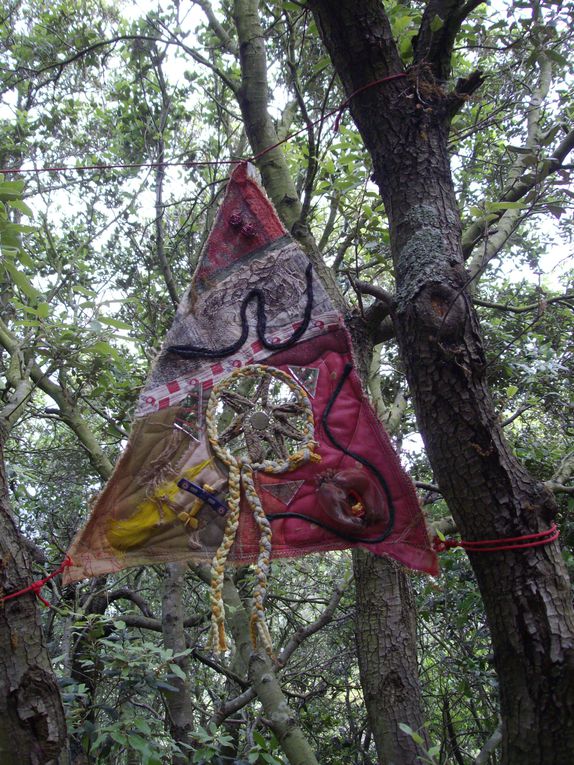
[[285, 491], [254, 394], [308, 377]]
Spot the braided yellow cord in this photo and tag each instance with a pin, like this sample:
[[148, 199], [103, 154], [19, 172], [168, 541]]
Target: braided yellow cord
[[258, 622], [241, 474], [217, 640]]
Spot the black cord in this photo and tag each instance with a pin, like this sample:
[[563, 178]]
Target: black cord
[[317, 522], [196, 352], [363, 460]]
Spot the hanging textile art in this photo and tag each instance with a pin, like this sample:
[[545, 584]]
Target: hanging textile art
[[252, 438]]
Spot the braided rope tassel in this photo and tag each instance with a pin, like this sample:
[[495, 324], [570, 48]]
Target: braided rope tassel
[[217, 640], [241, 477], [258, 622]]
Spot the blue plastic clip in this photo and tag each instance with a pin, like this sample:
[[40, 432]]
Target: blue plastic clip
[[209, 499]]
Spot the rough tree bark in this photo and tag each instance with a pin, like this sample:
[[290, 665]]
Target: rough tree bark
[[385, 632], [404, 124], [32, 726]]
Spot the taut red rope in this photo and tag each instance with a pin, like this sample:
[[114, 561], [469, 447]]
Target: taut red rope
[[498, 545], [35, 587]]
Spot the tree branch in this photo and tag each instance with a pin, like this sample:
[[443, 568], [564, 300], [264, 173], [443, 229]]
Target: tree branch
[[159, 181], [305, 632], [517, 190], [509, 219], [382, 295], [81, 53], [125, 593], [174, 40], [540, 305], [490, 745], [217, 28], [563, 474], [67, 411], [434, 43], [520, 411], [232, 706], [18, 376]]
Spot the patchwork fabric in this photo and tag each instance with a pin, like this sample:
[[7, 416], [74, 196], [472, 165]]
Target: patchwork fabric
[[253, 438]]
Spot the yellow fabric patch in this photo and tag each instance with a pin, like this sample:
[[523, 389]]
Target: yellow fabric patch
[[150, 515]]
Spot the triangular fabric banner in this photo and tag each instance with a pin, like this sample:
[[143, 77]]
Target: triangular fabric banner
[[254, 385]]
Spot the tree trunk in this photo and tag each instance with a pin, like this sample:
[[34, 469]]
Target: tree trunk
[[259, 668], [386, 646], [178, 703], [32, 726], [405, 124]]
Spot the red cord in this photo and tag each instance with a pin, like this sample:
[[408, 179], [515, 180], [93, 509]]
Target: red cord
[[202, 163], [35, 587], [497, 545], [346, 103]]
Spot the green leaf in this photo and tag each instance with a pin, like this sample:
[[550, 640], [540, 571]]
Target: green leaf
[[166, 686], [43, 310], [178, 671], [11, 190], [259, 739], [401, 23], [21, 280], [142, 725], [558, 58], [436, 24], [556, 210], [511, 390], [84, 291], [18, 204], [116, 323], [498, 206], [25, 259]]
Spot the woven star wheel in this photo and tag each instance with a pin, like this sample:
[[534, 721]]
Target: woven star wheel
[[260, 416]]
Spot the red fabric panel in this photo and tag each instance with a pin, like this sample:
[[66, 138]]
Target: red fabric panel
[[354, 425], [245, 223]]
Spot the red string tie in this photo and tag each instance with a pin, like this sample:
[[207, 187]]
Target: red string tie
[[347, 101], [497, 545], [36, 586]]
